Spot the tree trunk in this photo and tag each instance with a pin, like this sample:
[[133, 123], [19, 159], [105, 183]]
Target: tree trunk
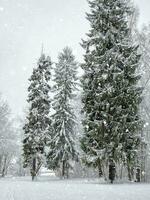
[[112, 171], [138, 175], [1, 159], [130, 173], [100, 173], [63, 169], [4, 167], [121, 172], [67, 170], [33, 171]]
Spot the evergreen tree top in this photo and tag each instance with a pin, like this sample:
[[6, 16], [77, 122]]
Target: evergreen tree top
[[65, 72], [109, 20]]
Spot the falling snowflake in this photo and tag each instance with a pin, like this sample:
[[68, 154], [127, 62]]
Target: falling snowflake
[[61, 20], [1, 9]]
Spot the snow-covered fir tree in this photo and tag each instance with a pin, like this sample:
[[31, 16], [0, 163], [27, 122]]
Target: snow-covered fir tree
[[61, 146], [38, 124], [111, 96]]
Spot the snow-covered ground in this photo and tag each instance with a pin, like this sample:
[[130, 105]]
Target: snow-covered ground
[[54, 189]]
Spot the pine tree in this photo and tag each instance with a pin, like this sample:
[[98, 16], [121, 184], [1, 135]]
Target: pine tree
[[38, 124], [111, 96], [61, 145]]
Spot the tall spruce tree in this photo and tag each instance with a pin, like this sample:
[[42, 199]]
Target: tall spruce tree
[[61, 144], [38, 124], [111, 96]]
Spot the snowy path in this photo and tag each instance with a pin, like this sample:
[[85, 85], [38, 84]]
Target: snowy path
[[19, 189]]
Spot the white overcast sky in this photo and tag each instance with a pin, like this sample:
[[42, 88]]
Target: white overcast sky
[[26, 24]]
